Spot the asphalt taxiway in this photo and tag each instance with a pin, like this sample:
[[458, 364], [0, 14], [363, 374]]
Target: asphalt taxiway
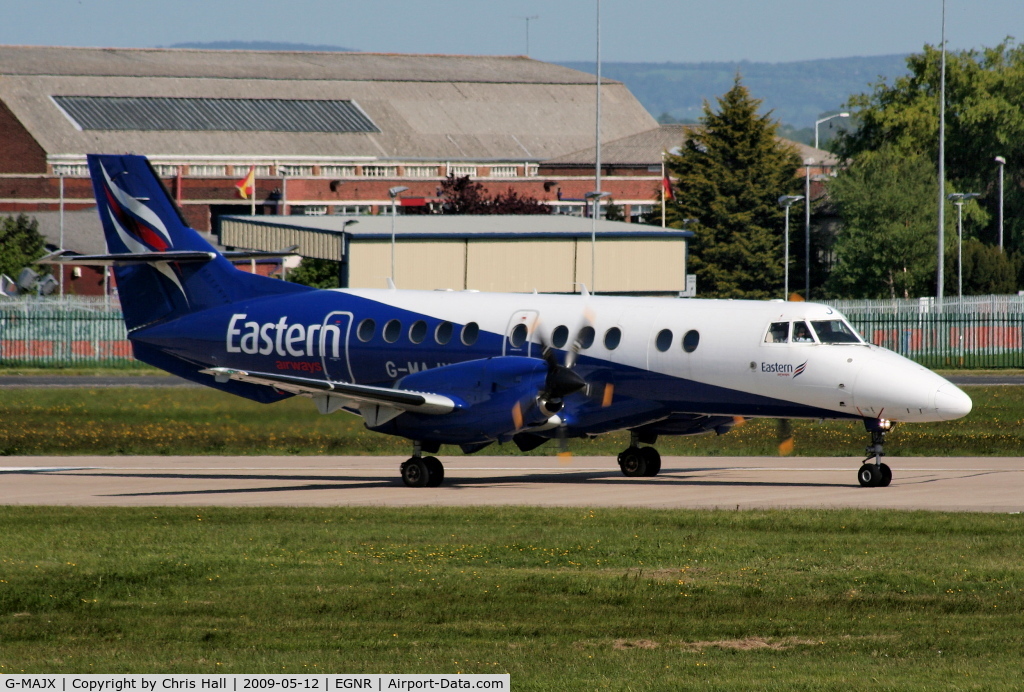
[[975, 484]]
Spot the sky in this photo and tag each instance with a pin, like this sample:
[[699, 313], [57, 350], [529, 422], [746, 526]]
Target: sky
[[563, 30]]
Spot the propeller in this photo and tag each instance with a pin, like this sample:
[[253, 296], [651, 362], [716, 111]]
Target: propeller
[[784, 435], [562, 379]]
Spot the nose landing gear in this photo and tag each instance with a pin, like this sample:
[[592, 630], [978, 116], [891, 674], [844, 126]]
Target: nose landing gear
[[875, 474]]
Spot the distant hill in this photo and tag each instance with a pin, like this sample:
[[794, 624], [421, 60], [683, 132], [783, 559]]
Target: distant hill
[[797, 92], [260, 45]]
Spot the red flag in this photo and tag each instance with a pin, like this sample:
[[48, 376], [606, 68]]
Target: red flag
[[666, 186], [247, 185]]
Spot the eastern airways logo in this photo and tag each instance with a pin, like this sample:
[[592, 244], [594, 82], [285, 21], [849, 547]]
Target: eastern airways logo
[[784, 369]]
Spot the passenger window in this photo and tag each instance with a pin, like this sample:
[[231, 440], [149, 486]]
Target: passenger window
[[418, 332], [691, 340], [778, 333], [664, 340], [802, 333], [612, 337], [586, 337], [469, 333], [518, 336], [560, 336], [443, 333], [366, 329], [392, 330]]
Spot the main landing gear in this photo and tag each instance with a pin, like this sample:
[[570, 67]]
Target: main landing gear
[[639, 461], [875, 474], [420, 471]]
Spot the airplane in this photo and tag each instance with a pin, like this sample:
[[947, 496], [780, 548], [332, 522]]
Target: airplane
[[470, 369]]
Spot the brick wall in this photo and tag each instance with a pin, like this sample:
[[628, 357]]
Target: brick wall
[[19, 152]]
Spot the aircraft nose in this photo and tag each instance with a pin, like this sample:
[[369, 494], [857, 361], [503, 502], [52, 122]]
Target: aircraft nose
[[951, 402]]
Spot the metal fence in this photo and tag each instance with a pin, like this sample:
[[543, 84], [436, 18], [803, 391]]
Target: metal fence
[[38, 333], [949, 340], [82, 332], [951, 305]]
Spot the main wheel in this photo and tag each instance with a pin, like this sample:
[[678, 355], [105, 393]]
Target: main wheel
[[886, 476], [869, 476], [436, 470], [416, 473], [633, 462], [653, 459]]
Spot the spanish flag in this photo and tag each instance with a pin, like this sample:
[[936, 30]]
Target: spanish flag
[[247, 185], [666, 187]]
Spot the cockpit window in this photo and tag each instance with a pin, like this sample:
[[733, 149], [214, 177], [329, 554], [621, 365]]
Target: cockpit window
[[835, 332], [802, 333], [778, 333]]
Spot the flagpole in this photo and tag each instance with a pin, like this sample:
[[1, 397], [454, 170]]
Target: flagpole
[[662, 189], [252, 199]]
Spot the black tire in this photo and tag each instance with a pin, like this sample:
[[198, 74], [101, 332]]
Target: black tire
[[869, 476], [415, 473], [886, 478], [633, 462], [436, 470], [653, 459]]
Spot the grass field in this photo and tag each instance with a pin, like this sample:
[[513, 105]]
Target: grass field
[[560, 599], [203, 421]]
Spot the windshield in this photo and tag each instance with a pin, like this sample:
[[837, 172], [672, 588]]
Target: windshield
[[835, 332]]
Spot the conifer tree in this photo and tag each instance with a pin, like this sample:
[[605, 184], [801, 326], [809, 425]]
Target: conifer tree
[[728, 176]]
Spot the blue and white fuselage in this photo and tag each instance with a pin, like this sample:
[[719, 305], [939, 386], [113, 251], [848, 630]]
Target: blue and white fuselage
[[469, 368]]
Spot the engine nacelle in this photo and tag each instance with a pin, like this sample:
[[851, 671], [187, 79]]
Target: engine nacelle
[[495, 397]]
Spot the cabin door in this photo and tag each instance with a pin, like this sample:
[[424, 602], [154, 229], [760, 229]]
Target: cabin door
[[334, 335]]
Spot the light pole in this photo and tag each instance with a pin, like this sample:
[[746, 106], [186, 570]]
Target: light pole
[[958, 199], [1002, 164], [940, 273], [807, 228], [60, 268], [535, 16], [283, 171], [786, 201], [595, 196], [343, 260], [825, 120], [393, 194]]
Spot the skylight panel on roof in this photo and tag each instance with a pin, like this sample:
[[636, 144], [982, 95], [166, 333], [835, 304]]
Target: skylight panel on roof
[[148, 113]]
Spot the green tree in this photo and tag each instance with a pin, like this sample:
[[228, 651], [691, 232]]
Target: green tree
[[728, 176], [886, 248], [986, 270], [984, 119], [21, 244], [318, 273]]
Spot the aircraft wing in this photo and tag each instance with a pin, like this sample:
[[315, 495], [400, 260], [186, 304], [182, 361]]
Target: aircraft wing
[[376, 404]]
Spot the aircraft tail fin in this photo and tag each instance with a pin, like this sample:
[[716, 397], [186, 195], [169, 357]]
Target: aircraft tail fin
[[168, 269]]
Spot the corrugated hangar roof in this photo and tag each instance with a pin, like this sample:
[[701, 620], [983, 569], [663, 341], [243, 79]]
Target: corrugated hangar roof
[[437, 226], [432, 107]]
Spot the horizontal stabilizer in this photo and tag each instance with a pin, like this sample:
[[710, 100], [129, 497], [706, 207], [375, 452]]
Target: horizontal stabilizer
[[126, 258], [261, 254], [354, 395]]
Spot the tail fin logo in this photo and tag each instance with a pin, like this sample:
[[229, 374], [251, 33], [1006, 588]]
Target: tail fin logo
[[138, 226]]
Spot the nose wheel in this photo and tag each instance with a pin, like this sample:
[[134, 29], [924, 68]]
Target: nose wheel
[[873, 473]]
